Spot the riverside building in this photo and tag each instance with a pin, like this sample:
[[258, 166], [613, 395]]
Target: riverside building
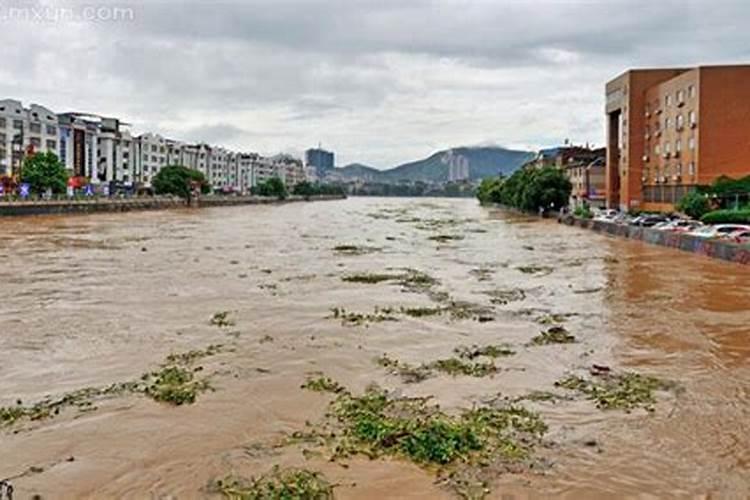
[[669, 130]]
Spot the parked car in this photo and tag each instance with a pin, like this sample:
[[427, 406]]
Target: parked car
[[718, 230], [741, 236], [649, 220], [608, 215], [679, 225]]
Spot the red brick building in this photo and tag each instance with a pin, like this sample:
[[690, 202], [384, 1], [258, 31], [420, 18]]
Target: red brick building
[[669, 130]]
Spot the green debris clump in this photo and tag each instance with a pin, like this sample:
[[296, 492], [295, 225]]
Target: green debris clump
[[174, 384], [323, 384], [456, 366], [625, 391], [554, 335], [502, 297], [349, 318], [445, 238], [279, 484], [370, 278], [534, 269], [467, 449], [188, 358], [354, 249], [420, 312], [410, 374], [490, 351], [222, 319], [451, 366]]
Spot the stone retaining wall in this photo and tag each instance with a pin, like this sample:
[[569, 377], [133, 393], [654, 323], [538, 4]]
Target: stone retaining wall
[[718, 249]]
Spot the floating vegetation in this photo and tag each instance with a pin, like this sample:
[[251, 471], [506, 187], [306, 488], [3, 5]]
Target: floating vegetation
[[553, 318], [456, 366], [445, 238], [222, 319], [490, 351], [349, 318], [49, 407], [625, 391], [187, 358], [467, 310], [354, 249], [502, 297], [482, 273], [554, 335], [371, 278], [323, 384], [279, 484], [412, 374], [410, 279], [537, 270], [174, 384], [421, 312], [437, 224], [540, 396], [476, 443]]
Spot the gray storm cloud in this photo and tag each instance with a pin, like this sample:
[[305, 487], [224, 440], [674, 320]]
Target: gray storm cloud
[[380, 82]]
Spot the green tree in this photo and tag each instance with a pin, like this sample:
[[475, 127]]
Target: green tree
[[694, 204], [528, 189], [272, 187], [178, 180], [306, 189], [43, 171]]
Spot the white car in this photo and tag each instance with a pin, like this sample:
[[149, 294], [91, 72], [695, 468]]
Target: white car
[[679, 226], [741, 236], [718, 230]]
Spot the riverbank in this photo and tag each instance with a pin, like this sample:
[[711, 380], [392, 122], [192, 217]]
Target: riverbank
[[718, 249], [21, 208]]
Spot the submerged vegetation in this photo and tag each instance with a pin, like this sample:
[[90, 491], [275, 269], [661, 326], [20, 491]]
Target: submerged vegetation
[[349, 318], [279, 484], [490, 351]]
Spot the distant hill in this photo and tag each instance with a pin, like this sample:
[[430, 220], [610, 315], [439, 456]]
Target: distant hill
[[358, 171], [477, 162]]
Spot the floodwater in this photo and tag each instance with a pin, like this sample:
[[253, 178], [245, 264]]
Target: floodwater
[[92, 300]]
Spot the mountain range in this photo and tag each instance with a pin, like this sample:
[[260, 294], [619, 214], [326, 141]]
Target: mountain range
[[475, 162]]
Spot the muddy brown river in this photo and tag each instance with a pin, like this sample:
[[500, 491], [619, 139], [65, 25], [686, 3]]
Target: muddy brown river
[[88, 301]]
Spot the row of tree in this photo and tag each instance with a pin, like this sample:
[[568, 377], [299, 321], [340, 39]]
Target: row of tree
[[528, 189]]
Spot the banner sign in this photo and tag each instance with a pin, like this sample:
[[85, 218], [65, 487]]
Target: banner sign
[[24, 190], [2, 190], [89, 191]]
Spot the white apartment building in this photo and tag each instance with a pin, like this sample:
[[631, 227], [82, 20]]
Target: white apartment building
[[151, 156], [104, 150], [24, 131]]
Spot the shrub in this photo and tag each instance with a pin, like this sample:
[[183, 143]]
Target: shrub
[[727, 217], [694, 204], [584, 212]]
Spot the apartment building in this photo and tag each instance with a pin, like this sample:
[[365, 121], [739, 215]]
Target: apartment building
[[103, 150], [588, 181], [24, 131], [669, 130]]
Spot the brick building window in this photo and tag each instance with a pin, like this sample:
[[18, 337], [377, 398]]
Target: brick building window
[[668, 100], [691, 118], [691, 143], [691, 91], [691, 168]]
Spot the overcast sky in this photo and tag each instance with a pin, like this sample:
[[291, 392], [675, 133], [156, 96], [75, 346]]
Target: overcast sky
[[378, 81]]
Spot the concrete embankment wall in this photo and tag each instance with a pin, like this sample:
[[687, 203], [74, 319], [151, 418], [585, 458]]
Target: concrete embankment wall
[[718, 249], [14, 208], [88, 206]]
